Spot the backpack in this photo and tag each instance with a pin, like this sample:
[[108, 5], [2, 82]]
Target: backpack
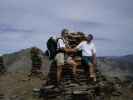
[[52, 47]]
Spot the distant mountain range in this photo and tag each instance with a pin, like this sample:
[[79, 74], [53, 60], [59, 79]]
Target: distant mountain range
[[121, 66], [21, 61]]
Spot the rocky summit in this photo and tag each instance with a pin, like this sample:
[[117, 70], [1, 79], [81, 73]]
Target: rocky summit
[[114, 75], [107, 87], [29, 74]]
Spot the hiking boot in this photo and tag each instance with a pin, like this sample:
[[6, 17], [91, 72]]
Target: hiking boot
[[93, 77]]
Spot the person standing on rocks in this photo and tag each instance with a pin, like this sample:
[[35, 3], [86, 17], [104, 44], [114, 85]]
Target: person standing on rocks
[[60, 56], [88, 55]]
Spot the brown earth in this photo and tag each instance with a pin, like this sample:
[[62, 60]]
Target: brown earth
[[18, 86]]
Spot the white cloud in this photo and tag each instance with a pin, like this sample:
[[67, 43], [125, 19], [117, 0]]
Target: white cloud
[[109, 19]]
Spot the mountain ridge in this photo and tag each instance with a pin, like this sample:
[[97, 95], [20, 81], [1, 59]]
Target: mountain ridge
[[109, 65]]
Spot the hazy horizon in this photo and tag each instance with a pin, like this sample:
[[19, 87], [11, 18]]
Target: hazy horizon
[[27, 23]]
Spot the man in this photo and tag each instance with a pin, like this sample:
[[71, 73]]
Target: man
[[88, 55], [60, 53]]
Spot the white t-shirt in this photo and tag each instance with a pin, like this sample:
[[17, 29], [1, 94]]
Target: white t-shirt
[[87, 48], [60, 44]]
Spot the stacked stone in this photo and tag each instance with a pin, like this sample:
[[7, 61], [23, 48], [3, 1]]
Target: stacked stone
[[2, 67], [74, 38], [81, 89], [82, 76], [52, 75], [67, 72], [36, 61]]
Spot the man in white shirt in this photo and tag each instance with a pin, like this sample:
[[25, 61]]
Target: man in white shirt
[[60, 54], [88, 55]]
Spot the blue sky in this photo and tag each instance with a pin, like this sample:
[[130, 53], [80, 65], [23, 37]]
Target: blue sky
[[26, 23]]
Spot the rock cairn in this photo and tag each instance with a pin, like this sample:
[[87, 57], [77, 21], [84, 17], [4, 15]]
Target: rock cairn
[[36, 61], [74, 39], [2, 67], [79, 88]]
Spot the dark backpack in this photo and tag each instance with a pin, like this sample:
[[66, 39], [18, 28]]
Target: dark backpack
[[52, 47]]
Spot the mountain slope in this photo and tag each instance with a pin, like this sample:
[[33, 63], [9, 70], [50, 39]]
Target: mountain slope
[[18, 61], [121, 67], [21, 61]]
